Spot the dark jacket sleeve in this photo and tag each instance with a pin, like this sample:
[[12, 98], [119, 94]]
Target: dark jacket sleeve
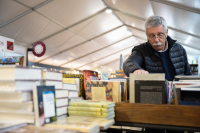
[[132, 63], [187, 66]]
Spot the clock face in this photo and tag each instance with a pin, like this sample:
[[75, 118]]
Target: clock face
[[39, 49]]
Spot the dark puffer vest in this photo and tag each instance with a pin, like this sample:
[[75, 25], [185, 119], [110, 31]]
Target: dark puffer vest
[[145, 57]]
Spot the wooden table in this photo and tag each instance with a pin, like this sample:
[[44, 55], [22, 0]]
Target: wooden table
[[172, 117]]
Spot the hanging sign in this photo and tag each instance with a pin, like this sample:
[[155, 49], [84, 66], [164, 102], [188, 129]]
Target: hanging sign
[[39, 49], [6, 44]]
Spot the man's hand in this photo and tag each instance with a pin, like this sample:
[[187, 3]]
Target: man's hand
[[141, 72]]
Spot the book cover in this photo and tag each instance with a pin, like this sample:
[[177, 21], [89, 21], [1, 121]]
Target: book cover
[[151, 92], [79, 81], [44, 104], [102, 91], [133, 77], [89, 75]]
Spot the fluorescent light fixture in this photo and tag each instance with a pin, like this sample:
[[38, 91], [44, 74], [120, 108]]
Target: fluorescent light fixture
[[108, 10]]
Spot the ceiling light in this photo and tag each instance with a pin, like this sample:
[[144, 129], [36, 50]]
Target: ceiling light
[[129, 33], [77, 66], [96, 69], [35, 57], [70, 64], [108, 10], [55, 61]]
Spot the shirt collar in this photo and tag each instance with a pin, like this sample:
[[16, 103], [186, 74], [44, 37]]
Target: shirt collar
[[166, 47]]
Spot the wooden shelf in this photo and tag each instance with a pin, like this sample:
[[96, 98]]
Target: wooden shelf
[[193, 64]]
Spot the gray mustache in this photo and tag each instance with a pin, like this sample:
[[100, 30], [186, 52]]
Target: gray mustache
[[157, 44]]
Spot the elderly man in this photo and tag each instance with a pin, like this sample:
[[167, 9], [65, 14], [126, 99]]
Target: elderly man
[[161, 54]]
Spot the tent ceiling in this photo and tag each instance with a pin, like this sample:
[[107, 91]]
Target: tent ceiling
[[79, 34]]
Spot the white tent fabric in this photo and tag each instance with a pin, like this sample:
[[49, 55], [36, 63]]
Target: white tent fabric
[[80, 34]]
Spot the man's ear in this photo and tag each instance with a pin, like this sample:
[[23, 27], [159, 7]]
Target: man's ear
[[167, 32]]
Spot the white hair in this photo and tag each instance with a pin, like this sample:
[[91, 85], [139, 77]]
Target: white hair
[[154, 21]]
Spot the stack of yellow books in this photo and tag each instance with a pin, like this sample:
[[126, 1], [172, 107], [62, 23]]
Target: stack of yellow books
[[92, 108]]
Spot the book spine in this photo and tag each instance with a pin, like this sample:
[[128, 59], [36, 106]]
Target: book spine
[[104, 110], [88, 105], [85, 113]]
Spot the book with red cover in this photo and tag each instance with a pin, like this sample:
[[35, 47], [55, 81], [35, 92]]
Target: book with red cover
[[89, 75]]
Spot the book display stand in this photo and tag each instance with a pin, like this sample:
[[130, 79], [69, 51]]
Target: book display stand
[[171, 117]]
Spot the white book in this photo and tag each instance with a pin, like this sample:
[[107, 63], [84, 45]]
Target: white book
[[62, 94], [18, 85], [16, 96], [73, 94], [10, 126], [191, 88], [52, 75], [61, 102], [17, 116], [61, 110], [15, 106], [68, 86], [19, 73], [57, 84], [133, 77]]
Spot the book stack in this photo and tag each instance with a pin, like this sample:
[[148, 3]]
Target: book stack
[[16, 85], [73, 87], [119, 73], [92, 108], [53, 78]]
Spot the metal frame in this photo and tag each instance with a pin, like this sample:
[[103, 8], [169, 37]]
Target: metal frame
[[143, 19], [108, 55], [179, 6], [25, 13], [95, 51], [80, 43]]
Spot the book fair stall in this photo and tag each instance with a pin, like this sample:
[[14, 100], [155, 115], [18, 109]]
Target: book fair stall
[[68, 66]]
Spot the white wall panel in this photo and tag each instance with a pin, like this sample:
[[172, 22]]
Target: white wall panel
[[29, 27], [112, 37], [68, 12], [178, 18], [131, 21], [10, 9], [141, 8], [104, 22], [83, 49], [31, 3], [191, 3]]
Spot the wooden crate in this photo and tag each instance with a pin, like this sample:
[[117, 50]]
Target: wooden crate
[[176, 115]]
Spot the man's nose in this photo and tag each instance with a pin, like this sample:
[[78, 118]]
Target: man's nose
[[156, 39]]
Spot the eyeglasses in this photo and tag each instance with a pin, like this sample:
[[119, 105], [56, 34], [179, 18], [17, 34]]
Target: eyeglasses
[[159, 36]]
